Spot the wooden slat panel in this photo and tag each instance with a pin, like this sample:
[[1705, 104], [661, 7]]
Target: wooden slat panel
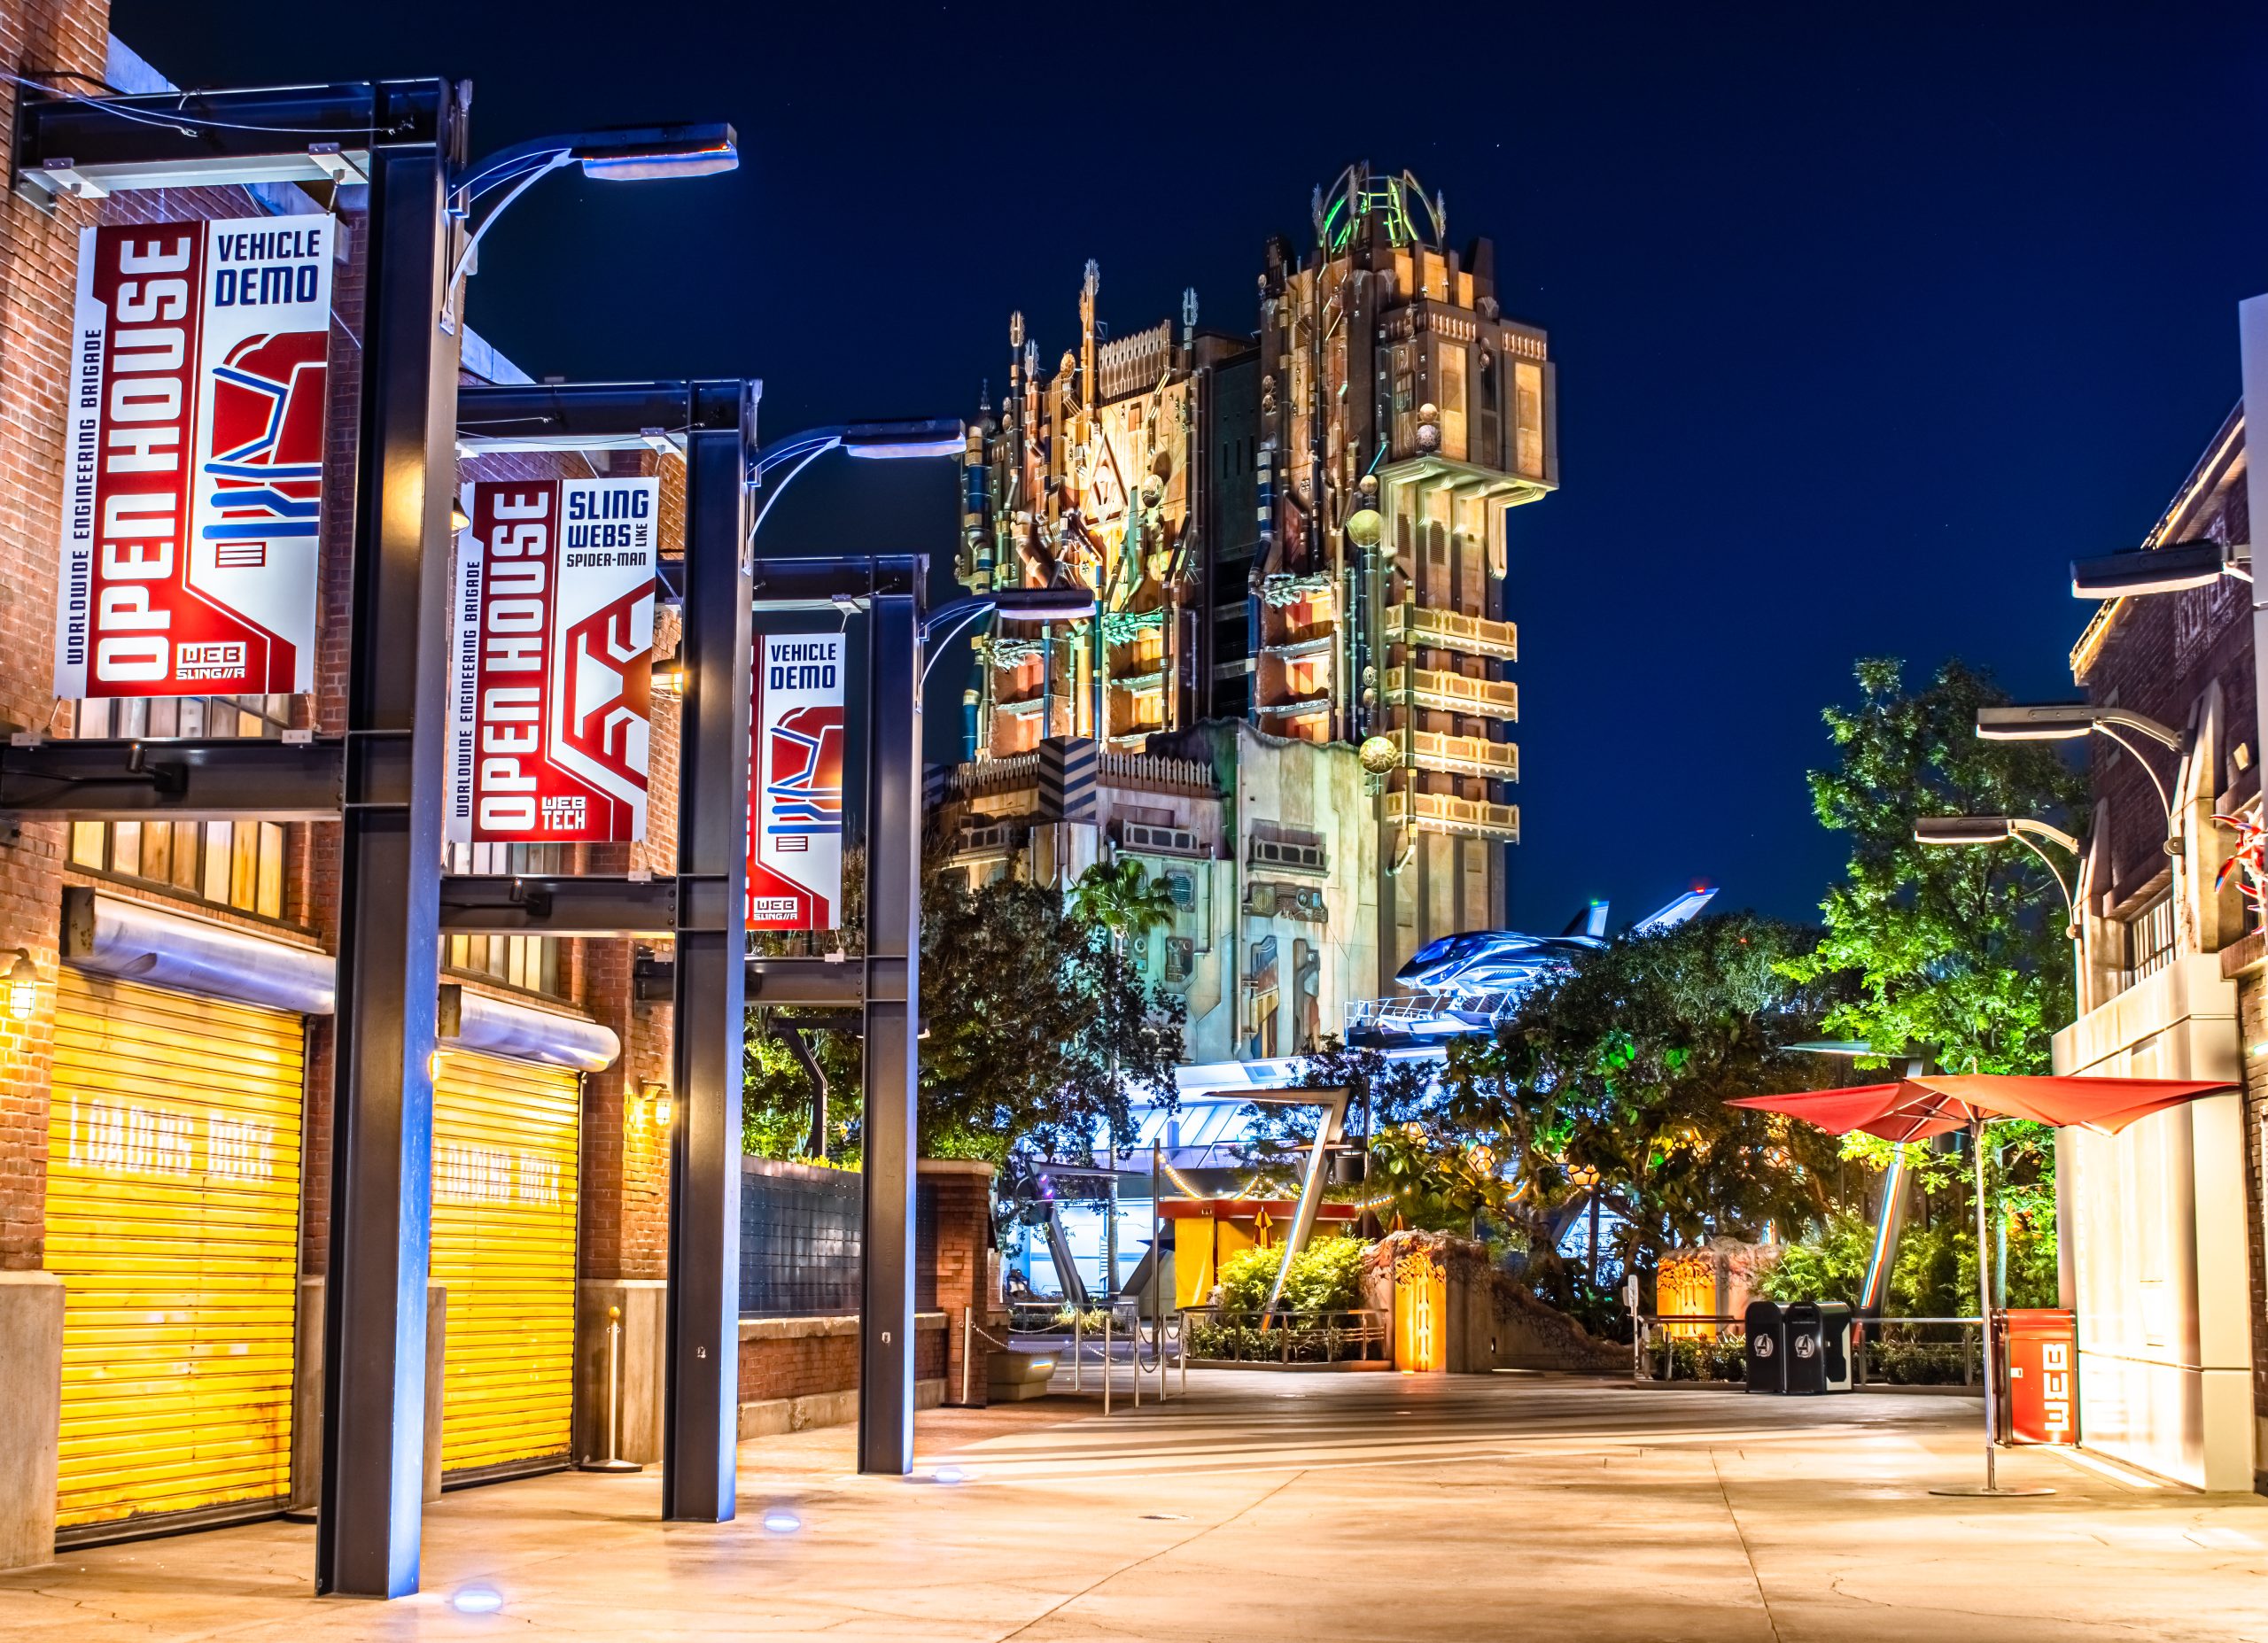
[[505, 1152], [173, 1219]]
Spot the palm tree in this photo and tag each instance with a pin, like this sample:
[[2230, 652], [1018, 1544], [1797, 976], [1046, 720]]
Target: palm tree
[[1124, 900]]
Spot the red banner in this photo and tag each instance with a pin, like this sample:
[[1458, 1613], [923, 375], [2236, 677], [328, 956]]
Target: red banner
[[193, 477], [795, 862], [549, 708]]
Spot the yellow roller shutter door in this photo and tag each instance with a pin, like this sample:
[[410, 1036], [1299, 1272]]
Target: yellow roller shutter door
[[173, 1219], [504, 1157]]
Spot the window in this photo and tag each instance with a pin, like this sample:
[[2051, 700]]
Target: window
[[2149, 940], [531, 962], [1452, 406], [243, 864], [1527, 424]]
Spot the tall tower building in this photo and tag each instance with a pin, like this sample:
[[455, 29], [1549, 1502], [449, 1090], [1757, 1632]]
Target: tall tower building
[[1297, 539]]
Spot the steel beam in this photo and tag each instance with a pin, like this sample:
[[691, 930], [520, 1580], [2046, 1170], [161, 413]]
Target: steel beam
[[838, 584], [573, 905], [390, 868], [700, 1395], [893, 988], [200, 780], [192, 139]]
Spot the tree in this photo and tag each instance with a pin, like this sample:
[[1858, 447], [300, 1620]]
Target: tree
[[1029, 1006], [1122, 898], [1621, 1066], [1959, 953]]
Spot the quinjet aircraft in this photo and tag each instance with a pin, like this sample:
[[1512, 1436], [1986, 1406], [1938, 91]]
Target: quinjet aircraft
[[1466, 982]]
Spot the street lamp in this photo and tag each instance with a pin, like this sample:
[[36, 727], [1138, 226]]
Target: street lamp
[[874, 441], [618, 154], [1953, 831], [1021, 604], [2167, 570], [2066, 721]]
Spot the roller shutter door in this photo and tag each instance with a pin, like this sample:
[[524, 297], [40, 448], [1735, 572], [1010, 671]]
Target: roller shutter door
[[504, 1166], [173, 1219]]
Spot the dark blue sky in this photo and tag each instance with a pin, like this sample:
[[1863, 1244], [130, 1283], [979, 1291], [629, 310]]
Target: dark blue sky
[[1865, 324]]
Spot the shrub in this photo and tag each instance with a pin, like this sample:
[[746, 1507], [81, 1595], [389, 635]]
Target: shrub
[[1326, 1277]]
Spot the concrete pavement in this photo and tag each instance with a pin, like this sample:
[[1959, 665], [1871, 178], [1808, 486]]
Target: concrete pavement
[[1385, 1508]]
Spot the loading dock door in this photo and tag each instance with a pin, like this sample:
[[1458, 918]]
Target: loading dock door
[[504, 1194], [173, 1219]]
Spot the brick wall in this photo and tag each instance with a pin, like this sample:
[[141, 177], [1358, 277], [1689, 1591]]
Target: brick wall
[[2160, 655], [959, 1260], [808, 1357]]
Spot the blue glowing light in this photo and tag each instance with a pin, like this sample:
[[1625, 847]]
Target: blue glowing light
[[781, 1521], [476, 1600], [950, 1474]]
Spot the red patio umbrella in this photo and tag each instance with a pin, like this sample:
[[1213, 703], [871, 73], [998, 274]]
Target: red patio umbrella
[[1913, 1109]]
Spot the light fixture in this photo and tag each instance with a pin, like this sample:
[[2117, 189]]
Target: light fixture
[[23, 986], [1582, 1174], [476, 1600], [2167, 570], [2064, 721], [460, 521], [935, 436], [781, 1521], [1365, 527], [662, 1105], [950, 1474], [669, 678]]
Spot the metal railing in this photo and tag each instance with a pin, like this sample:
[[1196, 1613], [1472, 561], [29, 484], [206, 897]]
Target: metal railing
[[1166, 1338], [1287, 1337], [1664, 1330]]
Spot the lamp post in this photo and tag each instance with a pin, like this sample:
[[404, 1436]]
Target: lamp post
[[619, 153], [1953, 831], [1585, 1176], [1021, 604], [2067, 721]]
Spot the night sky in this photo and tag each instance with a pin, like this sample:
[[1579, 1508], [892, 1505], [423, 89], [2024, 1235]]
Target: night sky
[[1864, 328]]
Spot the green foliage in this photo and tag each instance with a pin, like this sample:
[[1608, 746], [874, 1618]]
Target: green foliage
[[1830, 1265], [1960, 952], [1033, 1013], [1624, 1066], [1327, 1276], [1122, 900]]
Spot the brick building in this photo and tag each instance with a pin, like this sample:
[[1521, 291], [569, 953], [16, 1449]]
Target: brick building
[[2161, 1225]]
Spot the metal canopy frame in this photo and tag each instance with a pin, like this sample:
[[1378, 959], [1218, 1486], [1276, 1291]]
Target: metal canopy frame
[[383, 777], [700, 908]]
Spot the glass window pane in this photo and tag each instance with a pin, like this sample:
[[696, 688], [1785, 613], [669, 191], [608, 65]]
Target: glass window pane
[[88, 839], [243, 867], [185, 840], [157, 851], [219, 838], [271, 869], [126, 848]]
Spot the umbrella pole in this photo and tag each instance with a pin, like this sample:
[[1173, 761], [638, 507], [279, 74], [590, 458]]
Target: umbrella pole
[[1984, 1295]]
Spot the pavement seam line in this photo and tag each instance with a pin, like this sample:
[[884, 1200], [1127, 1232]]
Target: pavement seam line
[[1127, 1569], [1755, 1576]]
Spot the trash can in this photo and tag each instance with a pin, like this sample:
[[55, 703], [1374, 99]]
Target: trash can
[[1767, 1347], [1835, 1345], [1804, 1349], [2041, 1354]]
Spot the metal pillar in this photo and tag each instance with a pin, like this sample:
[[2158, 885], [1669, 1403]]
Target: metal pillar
[[701, 1396], [390, 870], [893, 988]]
